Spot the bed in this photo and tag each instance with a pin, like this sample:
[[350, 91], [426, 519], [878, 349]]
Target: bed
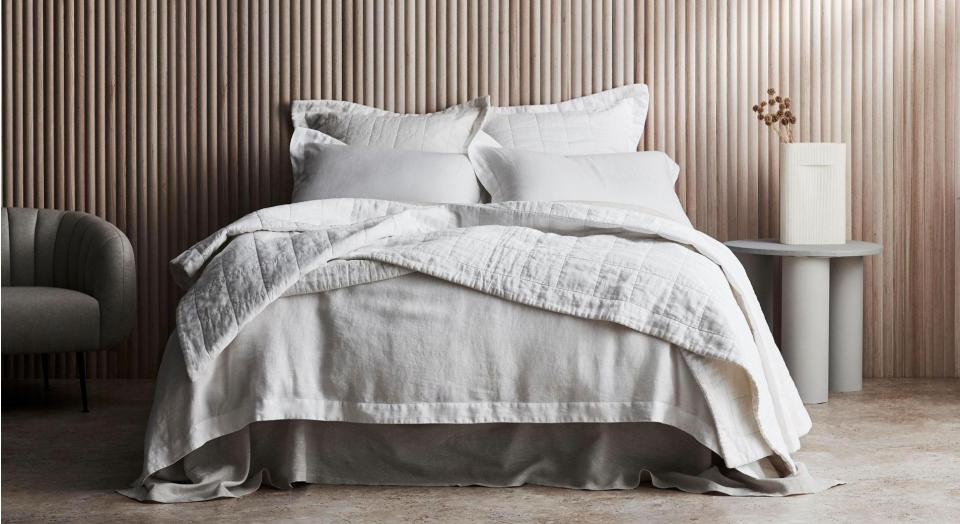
[[436, 308]]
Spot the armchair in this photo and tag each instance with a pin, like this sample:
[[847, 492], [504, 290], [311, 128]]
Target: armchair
[[69, 284]]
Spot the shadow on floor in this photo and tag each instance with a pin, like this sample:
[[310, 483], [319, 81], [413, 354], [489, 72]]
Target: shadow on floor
[[47, 441]]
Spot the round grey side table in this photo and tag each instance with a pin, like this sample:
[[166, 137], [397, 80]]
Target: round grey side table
[[821, 309]]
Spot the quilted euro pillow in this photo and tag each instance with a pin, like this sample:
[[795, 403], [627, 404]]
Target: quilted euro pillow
[[608, 122], [645, 179], [447, 131], [324, 167]]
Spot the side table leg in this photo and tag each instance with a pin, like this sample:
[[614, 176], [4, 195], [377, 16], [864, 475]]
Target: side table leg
[[846, 324], [806, 325], [759, 269]]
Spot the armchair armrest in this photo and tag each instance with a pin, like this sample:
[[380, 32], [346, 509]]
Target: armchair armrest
[[103, 267]]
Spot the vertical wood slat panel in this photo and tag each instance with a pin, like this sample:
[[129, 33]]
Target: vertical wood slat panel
[[171, 118]]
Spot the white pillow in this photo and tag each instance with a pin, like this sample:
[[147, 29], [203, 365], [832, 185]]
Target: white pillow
[[643, 178], [324, 167], [447, 131], [607, 122]]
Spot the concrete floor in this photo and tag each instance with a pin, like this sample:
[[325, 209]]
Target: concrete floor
[[897, 444]]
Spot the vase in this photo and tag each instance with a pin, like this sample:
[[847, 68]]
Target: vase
[[813, 193]]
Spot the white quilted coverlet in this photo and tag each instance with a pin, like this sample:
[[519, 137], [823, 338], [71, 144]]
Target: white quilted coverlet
[[633, 268]]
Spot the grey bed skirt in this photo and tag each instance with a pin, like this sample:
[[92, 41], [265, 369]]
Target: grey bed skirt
[[594, 456]]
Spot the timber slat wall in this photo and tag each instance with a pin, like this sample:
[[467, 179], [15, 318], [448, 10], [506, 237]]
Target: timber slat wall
[[170, 119]]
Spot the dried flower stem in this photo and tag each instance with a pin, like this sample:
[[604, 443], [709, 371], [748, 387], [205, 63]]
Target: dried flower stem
[[780, 121]]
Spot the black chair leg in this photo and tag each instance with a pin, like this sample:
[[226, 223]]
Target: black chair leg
[[82, 372], [45, 366]]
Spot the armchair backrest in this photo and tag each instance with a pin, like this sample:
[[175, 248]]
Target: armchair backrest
[[30, 246]]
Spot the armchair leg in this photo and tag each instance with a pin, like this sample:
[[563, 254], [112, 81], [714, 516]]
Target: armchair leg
[[82, 372], [45, 366]]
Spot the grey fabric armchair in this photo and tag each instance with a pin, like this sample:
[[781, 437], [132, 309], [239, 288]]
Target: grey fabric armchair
[[69, 284]]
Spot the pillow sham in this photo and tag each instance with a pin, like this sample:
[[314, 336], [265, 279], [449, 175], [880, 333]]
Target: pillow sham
[[607, 122], [644, 178], [447, 131], [324, 167]]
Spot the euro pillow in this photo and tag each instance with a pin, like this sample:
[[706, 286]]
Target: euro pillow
[[447, 131], [644, 179], [607, 122], [324, 167]]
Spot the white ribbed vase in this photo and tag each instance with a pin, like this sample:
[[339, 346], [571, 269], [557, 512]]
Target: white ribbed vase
[[813, 193]]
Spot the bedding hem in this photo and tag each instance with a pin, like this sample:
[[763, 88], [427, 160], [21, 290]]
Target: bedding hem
[[337, 411]]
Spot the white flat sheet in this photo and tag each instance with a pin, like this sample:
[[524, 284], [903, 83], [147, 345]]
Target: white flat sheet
[[331, 356]]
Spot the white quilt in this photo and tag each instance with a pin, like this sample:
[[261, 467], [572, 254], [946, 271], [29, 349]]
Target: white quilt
[[636, 269]]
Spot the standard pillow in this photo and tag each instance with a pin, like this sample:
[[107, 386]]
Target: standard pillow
[[324, 167], [607, 122], [447, 131], [643, 178]]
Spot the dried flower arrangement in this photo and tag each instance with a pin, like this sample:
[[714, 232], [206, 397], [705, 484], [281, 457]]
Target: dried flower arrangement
[[780, 121]]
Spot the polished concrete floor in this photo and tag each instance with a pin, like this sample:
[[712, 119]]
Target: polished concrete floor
[[897, 444]]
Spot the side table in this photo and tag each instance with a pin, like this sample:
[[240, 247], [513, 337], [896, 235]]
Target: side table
[[821, 308]]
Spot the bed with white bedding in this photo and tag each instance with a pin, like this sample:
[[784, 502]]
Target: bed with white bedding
[[575, 332], [382, 313]]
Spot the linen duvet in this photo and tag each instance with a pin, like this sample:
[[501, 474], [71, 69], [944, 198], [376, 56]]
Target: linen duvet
[[379, 342]]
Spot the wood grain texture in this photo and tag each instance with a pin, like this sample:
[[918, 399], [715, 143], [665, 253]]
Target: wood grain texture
[[170, 118]]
